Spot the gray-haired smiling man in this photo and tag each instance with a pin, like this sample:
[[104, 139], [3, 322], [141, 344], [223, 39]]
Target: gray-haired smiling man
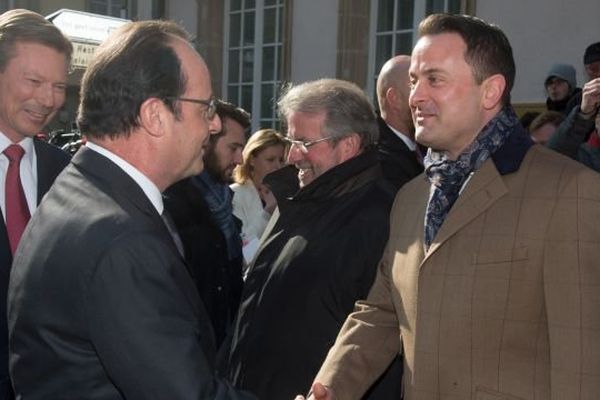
[[320, 251]]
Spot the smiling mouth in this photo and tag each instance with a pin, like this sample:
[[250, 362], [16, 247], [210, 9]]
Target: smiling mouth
[[40, 116]]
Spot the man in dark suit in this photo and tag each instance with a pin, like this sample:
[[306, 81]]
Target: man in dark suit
[[34, 57], [399, 154], [203, 215], [100, 303]]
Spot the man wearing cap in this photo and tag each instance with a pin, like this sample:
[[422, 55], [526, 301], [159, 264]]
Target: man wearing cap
[[561, 86], [575, 137]]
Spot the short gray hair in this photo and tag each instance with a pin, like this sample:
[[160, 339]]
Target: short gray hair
[[347, 109]]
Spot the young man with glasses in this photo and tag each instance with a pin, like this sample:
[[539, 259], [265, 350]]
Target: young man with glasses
[[319, 253]]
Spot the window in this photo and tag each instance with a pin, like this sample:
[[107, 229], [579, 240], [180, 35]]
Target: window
[[253, 56], [6, 5], [393, 26], [113, 8]]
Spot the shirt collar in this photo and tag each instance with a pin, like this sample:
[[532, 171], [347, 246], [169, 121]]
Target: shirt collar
[[407, 141], [149, 188], [26, 144]]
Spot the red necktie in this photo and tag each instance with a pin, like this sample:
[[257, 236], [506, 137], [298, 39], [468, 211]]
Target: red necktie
[[17, 211]]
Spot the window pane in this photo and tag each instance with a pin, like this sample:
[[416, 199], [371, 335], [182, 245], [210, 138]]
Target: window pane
[[249, 28], [385, 15], [234, 66], [118, 8], [97, 9], [280, 24], [235, 5], [246, 100], [270, 2], [266, 101], [232, 94], [278, 62], [235, 22], [248, 65], [454, 7], [269, 25], [383, 50], [268, 64], [405, 16], [435, 6], [249, 4], [403, 43], [267, 123]]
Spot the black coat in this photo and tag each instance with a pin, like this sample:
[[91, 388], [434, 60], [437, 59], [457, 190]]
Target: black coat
[[218, 279], [399, 163], [101, 306], [318, 256]]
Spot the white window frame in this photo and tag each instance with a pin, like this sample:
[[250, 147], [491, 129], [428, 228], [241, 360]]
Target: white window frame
[[419, 12], [258, 46]]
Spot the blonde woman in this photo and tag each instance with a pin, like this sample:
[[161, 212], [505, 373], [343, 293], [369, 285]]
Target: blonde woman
[[253, 202]]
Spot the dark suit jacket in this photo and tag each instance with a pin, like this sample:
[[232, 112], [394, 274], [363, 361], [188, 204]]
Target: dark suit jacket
[[398, 162], [50, 162], [100, 303], [219, 280]]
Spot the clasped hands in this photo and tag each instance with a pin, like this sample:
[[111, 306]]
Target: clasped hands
[[318, 392]]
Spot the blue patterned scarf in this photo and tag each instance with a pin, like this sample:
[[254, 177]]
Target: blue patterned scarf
[[447, 177], [218, 196]]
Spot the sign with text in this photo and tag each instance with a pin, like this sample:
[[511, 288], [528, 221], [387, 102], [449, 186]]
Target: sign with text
[[85, 26], [82, 54]]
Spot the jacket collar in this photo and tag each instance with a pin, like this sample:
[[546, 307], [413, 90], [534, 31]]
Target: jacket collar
[[120, 185], [486, 186], [341, 179]]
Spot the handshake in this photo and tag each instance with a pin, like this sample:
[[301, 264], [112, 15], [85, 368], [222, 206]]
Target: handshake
[[318, 392]]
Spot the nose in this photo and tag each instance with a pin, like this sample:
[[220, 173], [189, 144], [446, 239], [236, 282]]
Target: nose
[[45, 95], [417, 95], [237, 157], [294, 155], [214, 125]]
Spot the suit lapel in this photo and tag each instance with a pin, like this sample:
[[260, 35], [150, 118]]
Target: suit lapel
[[44, 174], [481, 192]]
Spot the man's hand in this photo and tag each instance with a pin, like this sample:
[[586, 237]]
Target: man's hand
[[319, 392], [590, 100]]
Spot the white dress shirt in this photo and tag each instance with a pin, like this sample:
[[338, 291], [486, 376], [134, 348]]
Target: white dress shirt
[[407, 141], [150, 189]]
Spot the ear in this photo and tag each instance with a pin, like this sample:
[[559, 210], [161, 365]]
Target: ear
[[350, 146], [391, 96], [493, 88], [154, 116]]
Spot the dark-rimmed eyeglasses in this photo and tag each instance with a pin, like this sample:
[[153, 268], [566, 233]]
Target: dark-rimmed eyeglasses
[[303, 146], [211, 105]]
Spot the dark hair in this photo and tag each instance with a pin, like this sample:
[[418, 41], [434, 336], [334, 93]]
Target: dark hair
[[230, 111], [527, 118], [135, 63], [488, 49], [21, 25], [346, 107]]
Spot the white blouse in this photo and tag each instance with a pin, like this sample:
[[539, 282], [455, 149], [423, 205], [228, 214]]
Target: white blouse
[[248, 207]]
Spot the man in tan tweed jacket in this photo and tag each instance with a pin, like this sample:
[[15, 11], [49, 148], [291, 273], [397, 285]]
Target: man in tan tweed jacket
[[490, 280]]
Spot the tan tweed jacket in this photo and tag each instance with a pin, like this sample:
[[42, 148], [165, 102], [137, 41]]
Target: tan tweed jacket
[[504, 305]]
